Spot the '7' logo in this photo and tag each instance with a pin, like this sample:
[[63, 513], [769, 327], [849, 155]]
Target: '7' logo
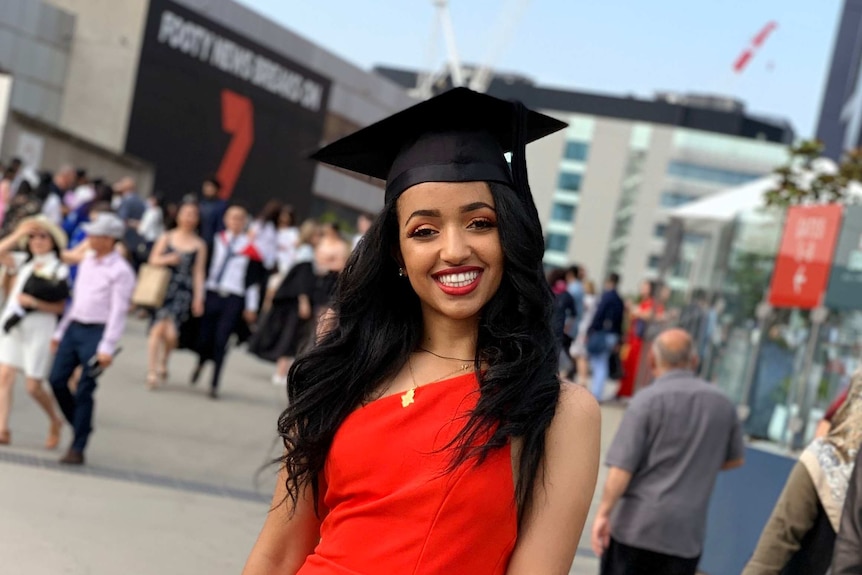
[[237, 119]]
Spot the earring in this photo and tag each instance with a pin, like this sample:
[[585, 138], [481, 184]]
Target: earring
[[402, 273]]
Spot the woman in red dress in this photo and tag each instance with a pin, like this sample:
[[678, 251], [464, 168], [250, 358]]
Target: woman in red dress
[[427, 431], [639, 318]]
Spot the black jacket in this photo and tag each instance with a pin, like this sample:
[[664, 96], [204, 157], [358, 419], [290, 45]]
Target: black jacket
[[847, 557], [609, 314]]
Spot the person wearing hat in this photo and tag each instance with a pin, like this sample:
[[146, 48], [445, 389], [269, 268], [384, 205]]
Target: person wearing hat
[[427, 431], [30, 253], [90, 330]]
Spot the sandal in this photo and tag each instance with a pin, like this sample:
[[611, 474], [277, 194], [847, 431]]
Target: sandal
[[163, 375], [54, 435], [152, 380], [5, 437]]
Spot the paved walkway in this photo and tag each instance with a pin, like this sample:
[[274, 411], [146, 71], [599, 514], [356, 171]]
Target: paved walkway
[[175, 482]]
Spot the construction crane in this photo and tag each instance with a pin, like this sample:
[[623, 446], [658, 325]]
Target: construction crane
[[478, 78]]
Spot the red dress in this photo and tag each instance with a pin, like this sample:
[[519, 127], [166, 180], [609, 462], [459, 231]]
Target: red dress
[[390, 506], [632, 363]]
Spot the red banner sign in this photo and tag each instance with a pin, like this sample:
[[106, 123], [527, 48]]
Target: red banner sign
[[805, 257]]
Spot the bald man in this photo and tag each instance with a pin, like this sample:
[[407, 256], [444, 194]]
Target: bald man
[[675, 437]]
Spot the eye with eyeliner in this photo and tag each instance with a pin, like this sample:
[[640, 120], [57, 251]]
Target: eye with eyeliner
[[482, 224], [420, 233]]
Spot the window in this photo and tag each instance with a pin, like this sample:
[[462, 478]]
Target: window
[[654, 262], [577, 151], [675, 199], [563, 213], [660, 230], [708, 174], [557, 242], [570, 181]]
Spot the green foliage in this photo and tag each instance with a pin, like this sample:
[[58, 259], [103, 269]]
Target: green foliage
[[822, 187]]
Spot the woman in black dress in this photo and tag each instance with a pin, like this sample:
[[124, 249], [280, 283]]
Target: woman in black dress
[[185, 253]]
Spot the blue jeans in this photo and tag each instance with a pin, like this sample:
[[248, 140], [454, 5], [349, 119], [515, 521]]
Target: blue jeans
[[599, 365], [78, 346]]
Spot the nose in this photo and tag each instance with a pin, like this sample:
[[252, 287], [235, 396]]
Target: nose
[[455, 247]]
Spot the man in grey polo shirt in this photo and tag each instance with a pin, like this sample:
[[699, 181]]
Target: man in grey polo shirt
[[675, 437]]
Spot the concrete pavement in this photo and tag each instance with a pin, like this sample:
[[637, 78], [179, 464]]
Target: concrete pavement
[[175, 482]]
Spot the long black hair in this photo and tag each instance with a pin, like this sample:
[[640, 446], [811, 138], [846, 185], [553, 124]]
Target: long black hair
[[379, 323]]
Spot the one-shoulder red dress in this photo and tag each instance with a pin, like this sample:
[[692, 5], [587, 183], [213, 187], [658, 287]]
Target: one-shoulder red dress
[[389, 504]]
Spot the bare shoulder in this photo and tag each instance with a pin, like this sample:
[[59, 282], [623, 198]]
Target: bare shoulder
[[576, 409]]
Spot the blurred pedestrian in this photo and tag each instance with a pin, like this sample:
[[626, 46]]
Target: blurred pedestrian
[[641, 316], [232, 292], [213, 209], [130, 206], [363, 224], [91, 327], [674, 439], [847, 558], [264, 229], [25, 202], [575, 277], [603, 334], [52, 203], [565, 314], [287, 243], [694, 319], [287, 326], [152, 224], [6, 191], [184, 252], [799, 536], [578, 349], [27, 320]]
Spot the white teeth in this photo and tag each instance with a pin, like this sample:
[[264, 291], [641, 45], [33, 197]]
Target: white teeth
[[458, 280]]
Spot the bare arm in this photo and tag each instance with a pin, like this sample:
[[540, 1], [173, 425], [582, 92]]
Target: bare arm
[[158, 257], [56, 308], [200, 278], [564, 487], [615, 486], [77, 254], [285, 542], [10, 242]]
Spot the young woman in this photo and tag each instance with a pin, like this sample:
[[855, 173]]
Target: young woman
[[183, 250], [639, 317], [26, 347], [286, 243], [428, 431], [284, 329]]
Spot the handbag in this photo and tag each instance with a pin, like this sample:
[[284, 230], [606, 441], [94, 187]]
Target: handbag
[[49, 288], [152, 286]]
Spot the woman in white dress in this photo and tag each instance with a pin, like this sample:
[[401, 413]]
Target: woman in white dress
[[25, 347]]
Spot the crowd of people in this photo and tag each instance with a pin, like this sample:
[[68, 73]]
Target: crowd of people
[[435, 312], [72, 252], [602, 335]]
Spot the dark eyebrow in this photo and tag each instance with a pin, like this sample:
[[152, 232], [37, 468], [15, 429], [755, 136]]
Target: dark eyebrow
[[425, 213], [476, 206]]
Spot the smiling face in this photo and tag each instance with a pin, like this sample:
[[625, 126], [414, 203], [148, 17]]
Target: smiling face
[[450, 246]]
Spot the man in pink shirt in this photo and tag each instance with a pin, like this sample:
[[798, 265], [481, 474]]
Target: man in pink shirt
[[92, 326]]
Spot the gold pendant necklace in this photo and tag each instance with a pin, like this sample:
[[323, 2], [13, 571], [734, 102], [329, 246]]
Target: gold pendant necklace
[[408, 397]]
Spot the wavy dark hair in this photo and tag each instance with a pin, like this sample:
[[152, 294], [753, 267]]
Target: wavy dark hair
[[379, 323]]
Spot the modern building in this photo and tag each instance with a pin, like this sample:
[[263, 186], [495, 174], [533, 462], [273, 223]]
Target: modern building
[[603, 186], [840, 124], [173, 90]]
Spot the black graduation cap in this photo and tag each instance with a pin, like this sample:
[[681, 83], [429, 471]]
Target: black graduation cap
[[458, 136]]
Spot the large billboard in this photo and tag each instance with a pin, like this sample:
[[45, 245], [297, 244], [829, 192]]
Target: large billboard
[[209, 101]]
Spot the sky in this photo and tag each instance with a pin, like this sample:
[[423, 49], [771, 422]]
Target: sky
[[621, 47]]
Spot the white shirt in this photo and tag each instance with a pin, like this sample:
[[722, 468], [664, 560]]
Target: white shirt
[[287, 248], [151, 226], [266, 237], [232, 280], [52, 208]]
